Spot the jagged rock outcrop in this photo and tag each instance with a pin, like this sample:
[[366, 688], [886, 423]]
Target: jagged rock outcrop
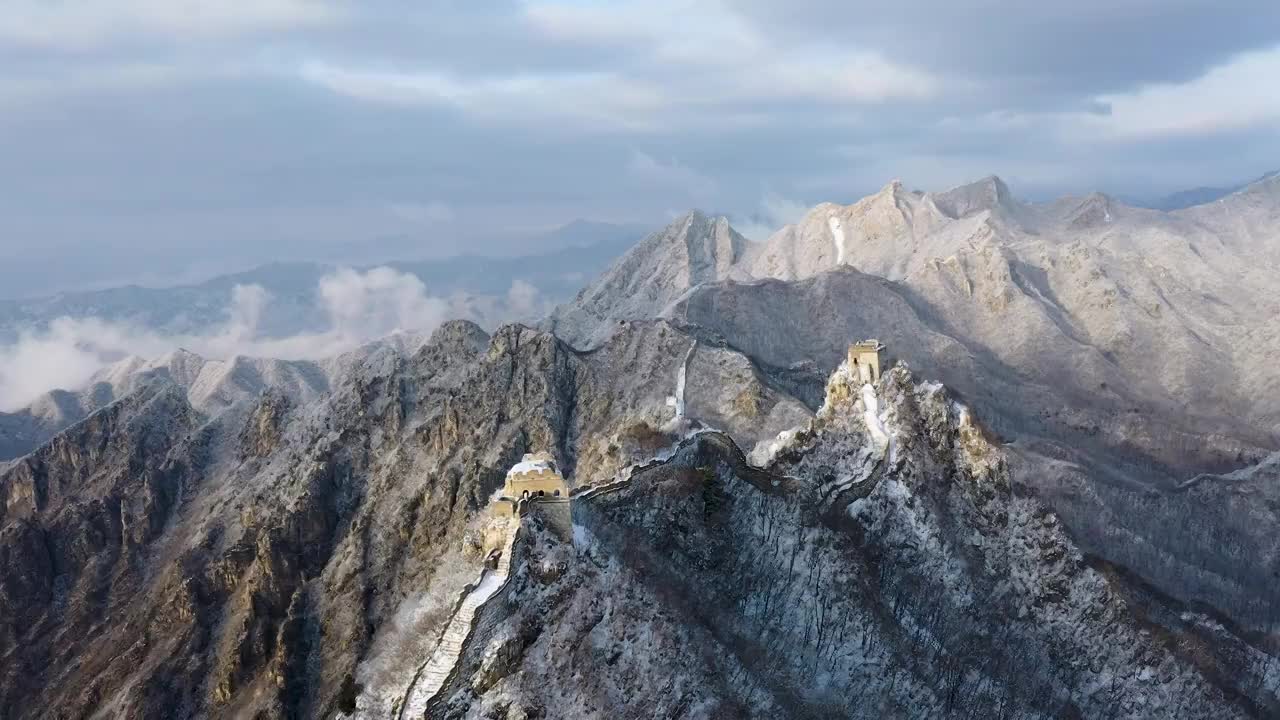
[[285, 558], [1121, 350], [856, 576]]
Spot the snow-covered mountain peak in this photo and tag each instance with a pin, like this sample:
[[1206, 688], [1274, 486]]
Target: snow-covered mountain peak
[[693, 249], [989, 194]]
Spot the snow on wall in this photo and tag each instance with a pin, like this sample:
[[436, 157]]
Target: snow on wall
[[531, 466]]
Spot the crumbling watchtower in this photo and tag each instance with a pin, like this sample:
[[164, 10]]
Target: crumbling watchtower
[[864, 359]]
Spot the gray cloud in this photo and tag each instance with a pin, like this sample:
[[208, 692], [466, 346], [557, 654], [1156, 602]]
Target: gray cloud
[[1042, 48], [88, 24], [138, 142]]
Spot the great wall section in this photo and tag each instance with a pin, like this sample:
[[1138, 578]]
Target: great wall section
[[443, 662], [533, 486], [536, 485]]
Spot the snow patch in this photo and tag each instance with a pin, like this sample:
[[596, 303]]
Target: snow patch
[[583, 540], [679, 424], [763, 454], [837, 236], [531, 466], [871, 413], [681, 378]]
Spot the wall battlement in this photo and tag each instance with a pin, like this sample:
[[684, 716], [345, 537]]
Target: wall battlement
[[535, 476]]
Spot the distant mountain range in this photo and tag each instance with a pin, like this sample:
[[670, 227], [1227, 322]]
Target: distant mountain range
[[1121, 306], [478, 285], [1117, 349], [1198, 196]]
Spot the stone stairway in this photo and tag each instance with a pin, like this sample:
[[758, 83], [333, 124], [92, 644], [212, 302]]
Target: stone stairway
[[432, 676]]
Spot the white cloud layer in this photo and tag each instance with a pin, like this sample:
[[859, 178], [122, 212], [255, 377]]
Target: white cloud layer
[[1240, 94], [360, 306], [722, 57], [775, 211], [671, 174], [90, 23], [710, 67], [598, 97]]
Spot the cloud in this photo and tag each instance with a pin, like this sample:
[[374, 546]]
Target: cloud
[[1231, 96], [727, 55], [429, 213], [670, 174], [359, 307], [717, 56], [1028, 53], [378, 302], [194, 130], [636, 71], [595, 96], [775, 211], [19, 88], [91, 23], [524, 301]]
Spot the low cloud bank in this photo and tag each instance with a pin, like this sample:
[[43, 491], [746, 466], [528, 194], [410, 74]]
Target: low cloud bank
[[359, 307]]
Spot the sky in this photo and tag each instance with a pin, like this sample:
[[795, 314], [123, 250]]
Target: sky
[[156, 141]]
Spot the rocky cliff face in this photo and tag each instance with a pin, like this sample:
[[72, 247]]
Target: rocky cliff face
[[884, 563], [277, 559], [1120, 351], [1108, 305]]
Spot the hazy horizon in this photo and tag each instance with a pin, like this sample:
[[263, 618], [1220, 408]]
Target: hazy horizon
[[153, 140]]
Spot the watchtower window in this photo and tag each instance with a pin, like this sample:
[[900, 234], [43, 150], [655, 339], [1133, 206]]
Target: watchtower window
[[541, 493], [556, 493]]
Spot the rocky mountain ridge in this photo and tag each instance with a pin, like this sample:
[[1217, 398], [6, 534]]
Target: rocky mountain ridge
[[860, 573], [1117, 307], [1119, 351], [211, 386], [1039, 535], [235, 537]]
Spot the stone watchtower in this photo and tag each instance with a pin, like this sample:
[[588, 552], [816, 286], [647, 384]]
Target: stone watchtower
[[536, 481], [864, 359], [535, 476]]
